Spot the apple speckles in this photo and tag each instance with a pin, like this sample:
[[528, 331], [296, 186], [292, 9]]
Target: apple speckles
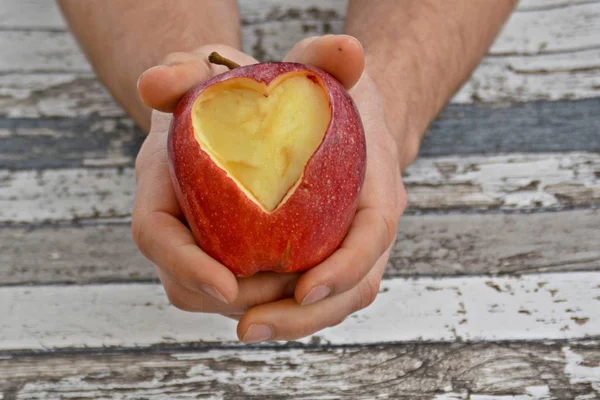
[[309, 226]]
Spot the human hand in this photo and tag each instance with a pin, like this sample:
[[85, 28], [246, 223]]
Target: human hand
[[195, 282]]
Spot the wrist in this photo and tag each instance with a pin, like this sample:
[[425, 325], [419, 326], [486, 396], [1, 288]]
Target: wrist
[[405, 121]]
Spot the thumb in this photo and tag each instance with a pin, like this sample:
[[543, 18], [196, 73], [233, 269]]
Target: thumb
[[340, 55], [162, 86]]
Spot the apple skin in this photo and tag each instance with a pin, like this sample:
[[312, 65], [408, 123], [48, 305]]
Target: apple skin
[[309, 226]]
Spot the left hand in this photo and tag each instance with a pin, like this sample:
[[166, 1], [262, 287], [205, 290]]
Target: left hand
[[349, 279]]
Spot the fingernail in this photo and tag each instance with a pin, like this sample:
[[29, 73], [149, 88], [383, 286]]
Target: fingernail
[[355, 40], [258, 333], [144, 73], [213, 292], [317, 293]]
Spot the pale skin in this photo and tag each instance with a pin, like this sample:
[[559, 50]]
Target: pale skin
[[410, 57]]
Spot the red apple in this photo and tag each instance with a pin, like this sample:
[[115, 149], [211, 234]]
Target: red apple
[[267, 161]]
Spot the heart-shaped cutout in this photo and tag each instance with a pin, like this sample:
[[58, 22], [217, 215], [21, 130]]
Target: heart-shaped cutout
[[263, 136]]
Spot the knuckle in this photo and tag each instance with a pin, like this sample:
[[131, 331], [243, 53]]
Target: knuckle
[[141, 234], [308, 329], [390, 224], [139, 163], [138, 234], [177, 300], [367, 293], [402, 198]]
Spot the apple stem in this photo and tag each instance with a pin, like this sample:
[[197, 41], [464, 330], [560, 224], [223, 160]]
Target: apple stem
[[218, 59]]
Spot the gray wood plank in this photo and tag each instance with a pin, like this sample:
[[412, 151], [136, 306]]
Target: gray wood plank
[[72, 142], [436, 245], [541, 126], [534, 127], [513, 371]]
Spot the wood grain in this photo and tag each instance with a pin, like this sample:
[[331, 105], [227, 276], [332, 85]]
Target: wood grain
[[534, 127], [556, 306], [30, 15], [73, 142], [508, 182], [547, 51], [435, 245], [515, 371], [66, 95], [515, 181]]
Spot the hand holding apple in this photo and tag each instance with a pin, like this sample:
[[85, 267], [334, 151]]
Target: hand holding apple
[[267, 161], [194, 281]]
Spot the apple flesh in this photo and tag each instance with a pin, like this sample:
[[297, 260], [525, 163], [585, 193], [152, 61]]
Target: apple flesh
[[267, 162]]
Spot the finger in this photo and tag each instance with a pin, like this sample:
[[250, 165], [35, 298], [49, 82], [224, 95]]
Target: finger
[[165, 241], [258, 289], [368, 238], [162, 237], [340, 55], [162, 86], [287, 320]]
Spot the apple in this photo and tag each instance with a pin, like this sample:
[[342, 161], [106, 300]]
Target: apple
[[267, 162]]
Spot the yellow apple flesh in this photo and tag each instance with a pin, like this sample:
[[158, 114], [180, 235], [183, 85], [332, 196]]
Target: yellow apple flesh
[[262, 136]]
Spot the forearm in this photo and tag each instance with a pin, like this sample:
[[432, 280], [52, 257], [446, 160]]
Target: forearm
[[121, 39], [420, 52]]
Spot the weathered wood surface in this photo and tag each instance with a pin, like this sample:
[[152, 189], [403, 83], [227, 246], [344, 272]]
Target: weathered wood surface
[[547, 51], [530, 307], [511, 182], [515, 371], [533, 127], [66, 152], [514, 181], [460, 130], [436, 245], [72, 142]]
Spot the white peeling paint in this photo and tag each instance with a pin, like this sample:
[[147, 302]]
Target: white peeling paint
[[535, 307], [533, 393], [65, 194], [547, 54], [516, 181], [510, 181], [578, 373]]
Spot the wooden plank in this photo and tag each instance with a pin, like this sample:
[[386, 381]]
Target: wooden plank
[[40, 95], [43, 52], [529, 78], [517, 371], [73, 142], [436, 245], [30, 15], [530, 307], [541, 126], [548, 51], [72, 194], [535, 127], [513, 181], [509, 182]]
